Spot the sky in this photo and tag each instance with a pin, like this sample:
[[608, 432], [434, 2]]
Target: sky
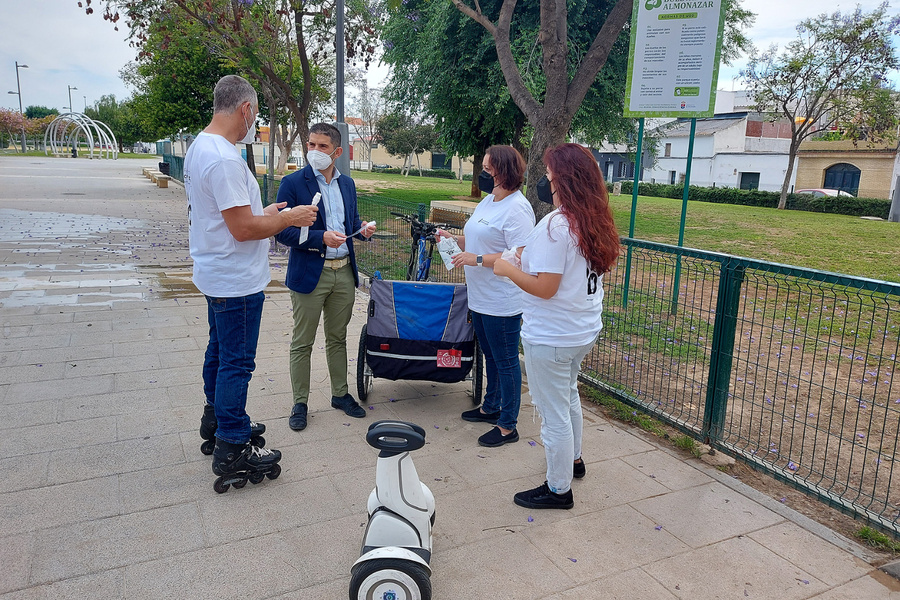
[[64, 47]]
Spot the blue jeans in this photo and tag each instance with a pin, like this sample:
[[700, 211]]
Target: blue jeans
[[230, 360], [499, 340]]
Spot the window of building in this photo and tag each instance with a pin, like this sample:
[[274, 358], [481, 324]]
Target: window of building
[[668, 150], [842, 176]]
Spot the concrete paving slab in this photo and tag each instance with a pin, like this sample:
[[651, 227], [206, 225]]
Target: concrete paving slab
[[737, 567], [706, 514], [627, 585], [104, 493]]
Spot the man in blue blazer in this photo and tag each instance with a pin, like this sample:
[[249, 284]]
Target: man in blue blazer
[[322, 274]]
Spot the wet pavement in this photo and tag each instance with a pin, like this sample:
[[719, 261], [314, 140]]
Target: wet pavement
[[104, 492]]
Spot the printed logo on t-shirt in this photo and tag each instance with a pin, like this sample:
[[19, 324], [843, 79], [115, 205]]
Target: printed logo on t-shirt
[[593, 281]]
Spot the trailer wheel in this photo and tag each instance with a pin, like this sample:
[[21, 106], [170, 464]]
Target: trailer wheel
[[364, 374]]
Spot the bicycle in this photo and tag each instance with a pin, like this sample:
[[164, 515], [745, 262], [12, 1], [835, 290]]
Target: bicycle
[[424, 237]]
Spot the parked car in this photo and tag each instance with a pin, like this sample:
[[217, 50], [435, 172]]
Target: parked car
[[821, 192]]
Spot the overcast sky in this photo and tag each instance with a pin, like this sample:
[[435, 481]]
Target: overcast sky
[[64, 47]]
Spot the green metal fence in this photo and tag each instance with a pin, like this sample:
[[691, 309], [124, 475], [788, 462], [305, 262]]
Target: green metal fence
[[176, 166], [389, 249], [789, 369]]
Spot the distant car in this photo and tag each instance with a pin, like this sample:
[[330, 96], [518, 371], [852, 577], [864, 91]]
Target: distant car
[[822, 192], [381, 166]]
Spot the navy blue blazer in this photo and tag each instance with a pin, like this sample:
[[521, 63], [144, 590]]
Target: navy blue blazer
[[306, 260]]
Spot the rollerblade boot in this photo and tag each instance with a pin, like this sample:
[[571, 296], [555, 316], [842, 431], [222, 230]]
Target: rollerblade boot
[[236, 464], [209, 426]]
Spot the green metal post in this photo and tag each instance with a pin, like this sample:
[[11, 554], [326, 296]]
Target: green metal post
[[634, 195], [728, 300], [684, 203]]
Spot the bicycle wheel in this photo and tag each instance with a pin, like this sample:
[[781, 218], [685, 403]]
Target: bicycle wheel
[[412, 267]]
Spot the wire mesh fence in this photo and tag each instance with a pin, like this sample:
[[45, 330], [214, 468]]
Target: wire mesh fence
[[789, 369]]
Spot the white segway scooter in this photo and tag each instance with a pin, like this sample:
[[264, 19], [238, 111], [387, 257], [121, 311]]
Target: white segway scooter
[[396, 548]]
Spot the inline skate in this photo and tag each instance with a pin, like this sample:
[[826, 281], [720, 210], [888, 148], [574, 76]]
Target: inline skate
[[209, 426], [236, 464]]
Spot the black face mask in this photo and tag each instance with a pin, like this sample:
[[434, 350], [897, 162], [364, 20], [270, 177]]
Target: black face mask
[[486, 182], [543, 190]]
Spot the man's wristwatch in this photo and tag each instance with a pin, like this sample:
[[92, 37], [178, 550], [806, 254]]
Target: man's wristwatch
[[479, 261]]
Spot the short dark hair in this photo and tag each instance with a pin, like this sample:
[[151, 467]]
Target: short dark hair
[[507, 165], [330, 130]]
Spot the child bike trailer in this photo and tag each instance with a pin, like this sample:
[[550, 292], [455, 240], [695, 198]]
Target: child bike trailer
[[418, 330]]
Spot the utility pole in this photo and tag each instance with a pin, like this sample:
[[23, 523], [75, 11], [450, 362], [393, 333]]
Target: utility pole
[[21, 110]]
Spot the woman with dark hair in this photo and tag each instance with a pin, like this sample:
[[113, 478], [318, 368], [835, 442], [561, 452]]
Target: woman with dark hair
[[502, 220], [563, 261]]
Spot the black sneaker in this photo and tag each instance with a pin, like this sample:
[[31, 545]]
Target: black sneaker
[[476, 416], [348, 404], [578, 470], [297, 422], [494, 438], [542, 497]]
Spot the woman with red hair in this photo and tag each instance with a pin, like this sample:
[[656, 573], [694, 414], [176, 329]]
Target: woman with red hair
[[563, 262]]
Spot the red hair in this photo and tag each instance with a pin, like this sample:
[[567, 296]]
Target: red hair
[[583, 199]]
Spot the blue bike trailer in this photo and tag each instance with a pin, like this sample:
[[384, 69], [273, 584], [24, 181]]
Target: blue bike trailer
[[418, 330]]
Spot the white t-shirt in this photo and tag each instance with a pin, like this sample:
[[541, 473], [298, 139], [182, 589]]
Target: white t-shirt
[[572, 316], [216, 178], [492, 228]]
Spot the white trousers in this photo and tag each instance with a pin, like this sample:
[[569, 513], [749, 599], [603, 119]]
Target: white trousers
[[553, 383]]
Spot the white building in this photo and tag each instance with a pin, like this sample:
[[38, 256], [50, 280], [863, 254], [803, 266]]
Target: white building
[[735, 148]]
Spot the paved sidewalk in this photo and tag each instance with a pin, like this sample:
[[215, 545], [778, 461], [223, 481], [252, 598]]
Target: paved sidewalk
[[105, 494]]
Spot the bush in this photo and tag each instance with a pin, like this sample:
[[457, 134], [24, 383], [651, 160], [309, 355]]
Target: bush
[[839, 205], [437, 173]]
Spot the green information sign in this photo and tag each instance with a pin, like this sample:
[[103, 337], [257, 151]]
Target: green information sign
[[673, 63]]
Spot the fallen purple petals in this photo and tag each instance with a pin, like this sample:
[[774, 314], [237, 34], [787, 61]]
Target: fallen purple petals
[[573, 559], [532, 443], [530, 519], [658, 528]]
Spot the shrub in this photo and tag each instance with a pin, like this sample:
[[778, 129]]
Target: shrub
[[437, 173], [839, 205]]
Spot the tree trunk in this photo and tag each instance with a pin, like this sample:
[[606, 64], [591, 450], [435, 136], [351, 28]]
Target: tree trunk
[[548, 132], [792, 154], [477, 160], [251, 160]]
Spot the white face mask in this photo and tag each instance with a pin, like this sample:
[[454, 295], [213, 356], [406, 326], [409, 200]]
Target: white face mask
[[251, 132], [318, 160]]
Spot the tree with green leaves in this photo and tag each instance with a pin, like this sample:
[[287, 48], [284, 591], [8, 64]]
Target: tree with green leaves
[[404, 136], [832, 75], [39, 112], [244, 32], [562, 64]]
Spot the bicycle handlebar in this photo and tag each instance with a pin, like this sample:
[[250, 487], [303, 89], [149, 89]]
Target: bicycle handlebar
[[422, 227]]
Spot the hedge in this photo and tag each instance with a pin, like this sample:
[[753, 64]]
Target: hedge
[[438, 173], [840, 205]]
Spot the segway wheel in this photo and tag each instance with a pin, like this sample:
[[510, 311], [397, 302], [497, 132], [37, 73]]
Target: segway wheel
[[390, 578], [364, 374], [477, 374]]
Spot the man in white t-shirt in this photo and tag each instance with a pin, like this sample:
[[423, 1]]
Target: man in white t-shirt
[[229, 231]]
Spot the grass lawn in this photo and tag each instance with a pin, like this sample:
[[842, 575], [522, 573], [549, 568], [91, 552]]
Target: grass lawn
[[837, 243], [82, 153]]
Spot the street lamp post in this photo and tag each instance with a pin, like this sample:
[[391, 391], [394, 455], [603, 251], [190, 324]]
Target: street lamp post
[[21, 110], [71, 87], [85, 103]]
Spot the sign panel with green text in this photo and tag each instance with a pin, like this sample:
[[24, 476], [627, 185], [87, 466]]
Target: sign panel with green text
[[673, 63]]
